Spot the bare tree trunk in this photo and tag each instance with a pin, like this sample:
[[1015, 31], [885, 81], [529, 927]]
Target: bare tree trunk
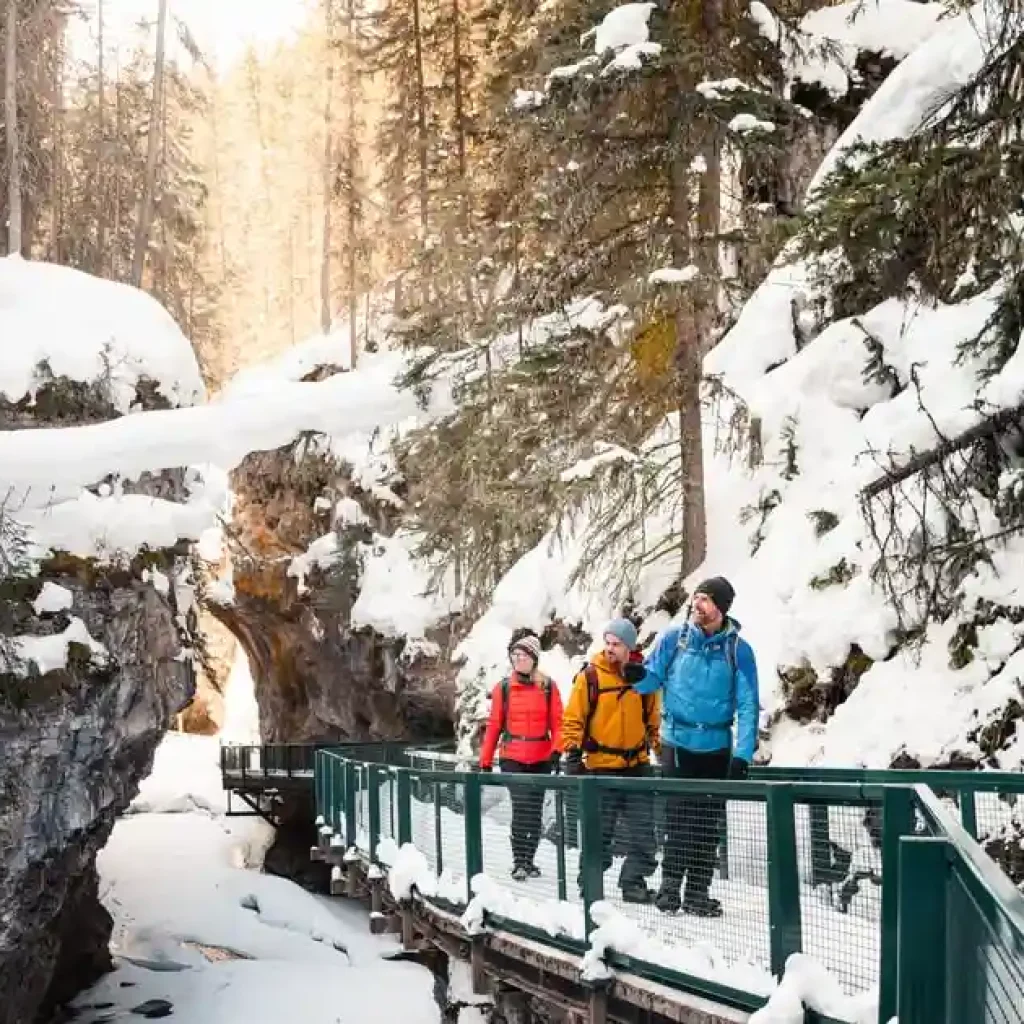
[[687, 359], [152, 151], [291, 282], [218, 185], [352, 198], [253, 70], [165, 259], [460, 136], [115, 255], [12, 133], [421, 122], [101, 152], [694, 329], [325, 258], [57, 177]]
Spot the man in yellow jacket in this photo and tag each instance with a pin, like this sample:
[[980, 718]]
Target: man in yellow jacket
[[608, 729]]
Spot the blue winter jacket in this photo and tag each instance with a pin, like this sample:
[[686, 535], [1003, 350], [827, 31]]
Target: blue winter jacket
[[702, 699]]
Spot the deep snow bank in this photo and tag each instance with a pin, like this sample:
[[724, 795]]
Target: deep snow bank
[[791, 534]]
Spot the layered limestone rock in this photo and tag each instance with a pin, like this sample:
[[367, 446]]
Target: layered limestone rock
[[317, 677]]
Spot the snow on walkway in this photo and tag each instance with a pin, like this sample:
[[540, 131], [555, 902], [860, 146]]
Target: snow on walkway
[[178, 875]]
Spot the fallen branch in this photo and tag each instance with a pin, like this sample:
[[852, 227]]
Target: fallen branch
[[993, 425]]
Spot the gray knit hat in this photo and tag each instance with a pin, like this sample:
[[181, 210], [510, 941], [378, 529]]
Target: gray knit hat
[[530, 644], [624, 630]]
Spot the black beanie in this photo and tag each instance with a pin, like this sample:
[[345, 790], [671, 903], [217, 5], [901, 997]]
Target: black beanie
[[720, 590]]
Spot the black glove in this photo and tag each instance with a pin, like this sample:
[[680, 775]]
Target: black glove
[[574, 762], [489, 768], [739, 769], [634, 672], [556, 761]]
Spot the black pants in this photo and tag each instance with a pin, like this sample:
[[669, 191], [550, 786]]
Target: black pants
[[629, 817], [694, 824], [527, 810]]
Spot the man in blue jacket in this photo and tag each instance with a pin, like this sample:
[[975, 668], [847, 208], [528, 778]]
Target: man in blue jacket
[[709, 678]]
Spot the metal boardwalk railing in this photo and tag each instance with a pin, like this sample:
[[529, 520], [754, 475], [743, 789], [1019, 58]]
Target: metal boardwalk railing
[[823, 862]]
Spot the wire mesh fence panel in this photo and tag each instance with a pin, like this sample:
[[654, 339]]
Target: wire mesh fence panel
[[839, 855], [985, 974], [524, 821], [433, 760], [334, 794], [362, 795], [388, 806], [453, 883], [424, 812], [1000, 830], [495, 832], [690, 869]]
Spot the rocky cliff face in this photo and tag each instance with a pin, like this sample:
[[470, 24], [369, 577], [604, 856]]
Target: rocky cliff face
[[316, 677], [76, 743], [88, 685]]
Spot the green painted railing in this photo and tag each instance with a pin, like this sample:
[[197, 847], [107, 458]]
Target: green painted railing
[[879, 871], [960, 941]]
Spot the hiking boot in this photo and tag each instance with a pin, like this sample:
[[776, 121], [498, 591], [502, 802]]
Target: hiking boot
[[702, 905], [637, 893], [533, 871], [668, 901], [519, 873]]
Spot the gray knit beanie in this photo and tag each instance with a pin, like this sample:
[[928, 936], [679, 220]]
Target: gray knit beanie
[[624, 630]]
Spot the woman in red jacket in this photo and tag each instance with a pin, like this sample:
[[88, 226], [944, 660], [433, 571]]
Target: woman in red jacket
[[526, 716]]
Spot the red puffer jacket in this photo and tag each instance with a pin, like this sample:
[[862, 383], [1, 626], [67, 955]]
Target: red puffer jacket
[[532, 728]]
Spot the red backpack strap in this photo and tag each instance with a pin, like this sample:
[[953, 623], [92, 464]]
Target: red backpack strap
[[593, 695]]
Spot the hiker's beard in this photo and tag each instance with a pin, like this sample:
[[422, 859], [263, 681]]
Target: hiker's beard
[[706, 619], [616, 658]]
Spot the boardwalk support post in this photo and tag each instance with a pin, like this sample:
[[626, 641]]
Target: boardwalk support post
[[598, 1005], [476, 966], [408, 926]]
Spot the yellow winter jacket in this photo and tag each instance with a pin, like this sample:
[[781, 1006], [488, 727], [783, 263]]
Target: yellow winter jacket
[[618, 722]]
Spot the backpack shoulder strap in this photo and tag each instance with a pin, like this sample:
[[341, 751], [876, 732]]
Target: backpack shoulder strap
[[731, 644], [593, 695], [506, 684]]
